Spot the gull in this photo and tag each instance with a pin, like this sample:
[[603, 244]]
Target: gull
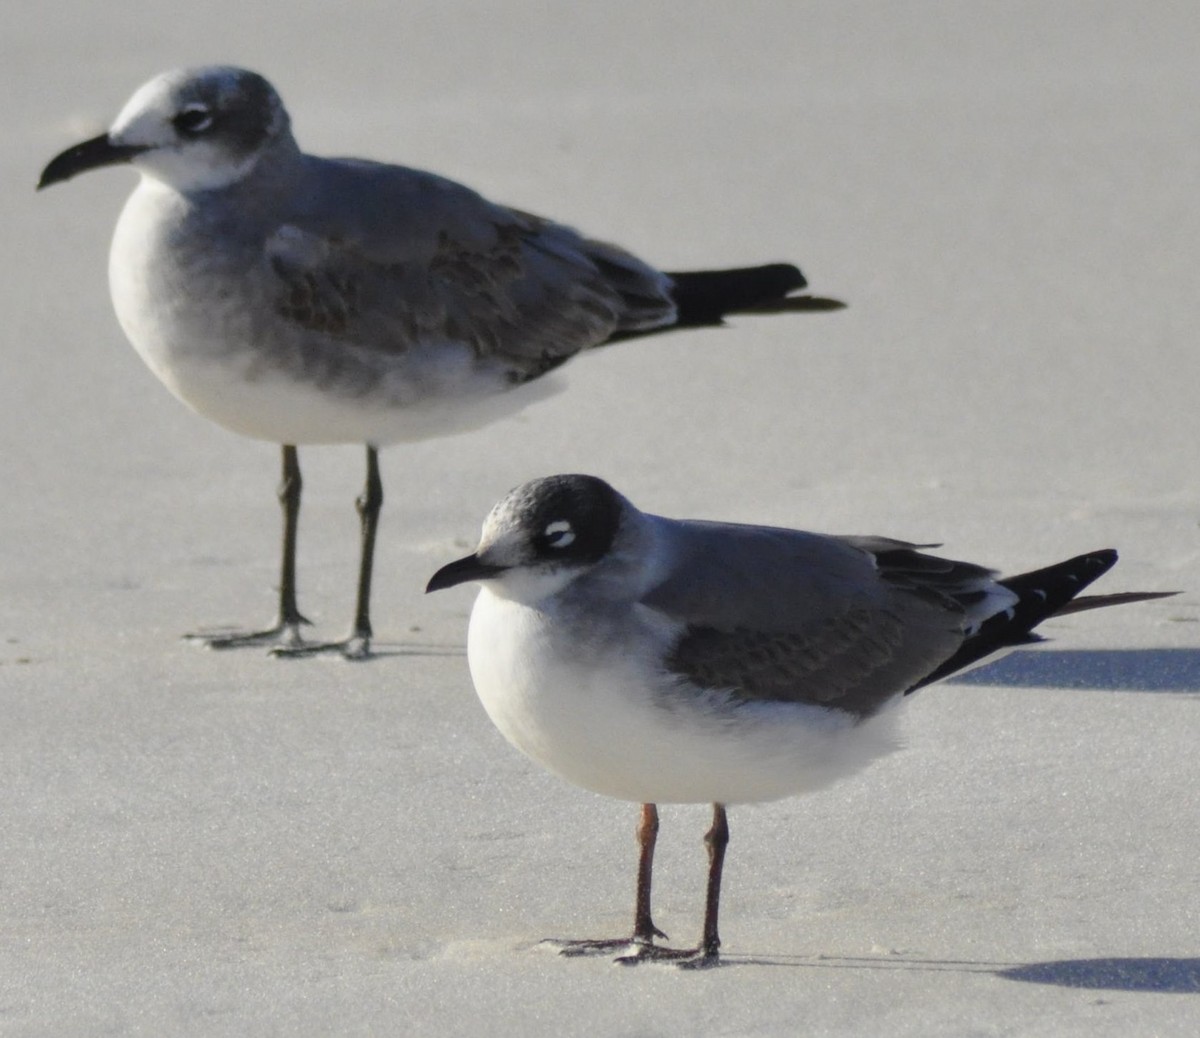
[[676, 661], [306, 300]]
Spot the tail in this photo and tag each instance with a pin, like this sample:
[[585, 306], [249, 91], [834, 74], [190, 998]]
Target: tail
[[704, 298], [1041, 594]]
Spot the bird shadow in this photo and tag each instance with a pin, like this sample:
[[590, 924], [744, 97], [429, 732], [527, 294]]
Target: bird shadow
[[1163, 975], [1168, 976], [1104, 670], [384, 649], [379, 649]]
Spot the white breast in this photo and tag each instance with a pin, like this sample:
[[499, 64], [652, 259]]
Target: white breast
[[611, 722]]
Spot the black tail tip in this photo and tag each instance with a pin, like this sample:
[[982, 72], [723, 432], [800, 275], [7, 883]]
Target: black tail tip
[[782, 277]]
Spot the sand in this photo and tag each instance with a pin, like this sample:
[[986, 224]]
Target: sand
[[227, 844]]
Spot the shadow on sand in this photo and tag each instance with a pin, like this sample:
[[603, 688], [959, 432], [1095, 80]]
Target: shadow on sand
[[1106, 670], [1161, 975]]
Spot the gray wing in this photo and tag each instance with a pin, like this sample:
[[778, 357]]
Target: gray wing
[[782, 615], [388, 258]]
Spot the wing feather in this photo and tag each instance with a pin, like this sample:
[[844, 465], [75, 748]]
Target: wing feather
[[785, 616], [443, 264]]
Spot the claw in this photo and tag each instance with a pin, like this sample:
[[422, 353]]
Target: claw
[[575, 948], [683, 958], [283, 635], [356, 647]]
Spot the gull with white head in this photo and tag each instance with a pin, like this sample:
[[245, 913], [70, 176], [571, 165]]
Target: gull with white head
[[306, 300]]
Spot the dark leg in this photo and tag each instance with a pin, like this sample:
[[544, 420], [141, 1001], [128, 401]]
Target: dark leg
[[716, 840], [290, 487], [356, 645], [644, 930], [369, 505], [286, 630]]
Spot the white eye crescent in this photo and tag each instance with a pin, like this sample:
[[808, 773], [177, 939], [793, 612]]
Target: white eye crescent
[[559, 534]]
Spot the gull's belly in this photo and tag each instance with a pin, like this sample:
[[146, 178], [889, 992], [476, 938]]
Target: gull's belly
[[210, 332], [608, 725]]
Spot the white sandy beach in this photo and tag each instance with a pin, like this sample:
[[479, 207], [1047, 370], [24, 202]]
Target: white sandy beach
[[210, 843]]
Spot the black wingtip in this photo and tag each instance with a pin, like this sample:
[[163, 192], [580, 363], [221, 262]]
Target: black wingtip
[[1054, 586], [704, 297], [1043, 593]]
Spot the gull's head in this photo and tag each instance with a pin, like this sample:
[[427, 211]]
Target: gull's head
[[193, 129], [540, 537]]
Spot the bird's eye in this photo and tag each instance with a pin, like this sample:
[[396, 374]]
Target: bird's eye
[[193, 120], [559, 534]]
